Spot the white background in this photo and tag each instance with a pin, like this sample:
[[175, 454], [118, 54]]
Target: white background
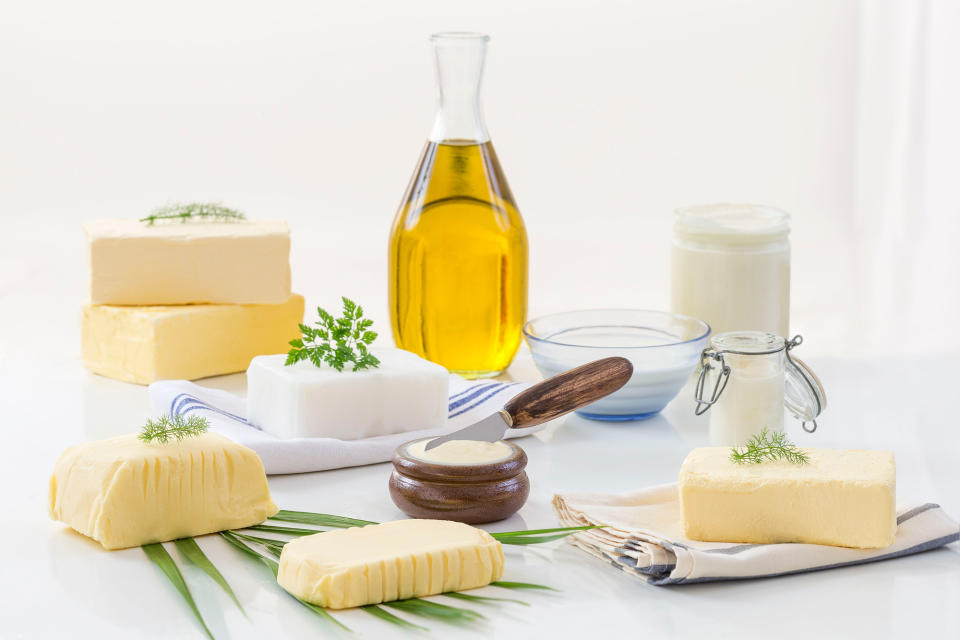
[[607, 116]]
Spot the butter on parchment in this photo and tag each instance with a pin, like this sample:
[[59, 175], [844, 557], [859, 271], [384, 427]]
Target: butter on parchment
[[145, 344], [124, 492], [844, 498], [132, 263], [390, 561]]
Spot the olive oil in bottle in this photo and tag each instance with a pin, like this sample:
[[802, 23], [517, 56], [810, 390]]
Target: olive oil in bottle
[[458, 247]]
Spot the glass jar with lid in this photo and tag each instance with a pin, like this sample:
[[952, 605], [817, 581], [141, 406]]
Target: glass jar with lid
[[747, 378], [730, 266]]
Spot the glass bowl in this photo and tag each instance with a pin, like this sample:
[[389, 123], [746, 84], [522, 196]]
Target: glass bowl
[[663, 347]]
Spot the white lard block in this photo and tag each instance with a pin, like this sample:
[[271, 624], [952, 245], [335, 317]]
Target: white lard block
[[405, 393]]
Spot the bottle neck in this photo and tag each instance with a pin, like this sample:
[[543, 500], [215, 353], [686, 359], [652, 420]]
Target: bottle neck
[[459, 63]]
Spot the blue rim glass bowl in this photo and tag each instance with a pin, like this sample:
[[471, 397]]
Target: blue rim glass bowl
[[663, 347]]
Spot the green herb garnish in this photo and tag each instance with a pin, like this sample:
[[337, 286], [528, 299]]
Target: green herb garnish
[[251, 546], [167, 426], [205, 211], [160, 557], [336, 341], [767, 446], [192, 552]]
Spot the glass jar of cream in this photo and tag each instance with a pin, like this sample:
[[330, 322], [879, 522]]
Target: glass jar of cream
[[747, 378], [731, 267]]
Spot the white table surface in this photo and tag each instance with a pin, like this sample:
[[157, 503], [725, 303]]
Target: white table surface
[[57, 581]]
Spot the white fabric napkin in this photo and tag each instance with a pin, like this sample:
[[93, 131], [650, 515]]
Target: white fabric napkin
[[469, 402], [644, 538]]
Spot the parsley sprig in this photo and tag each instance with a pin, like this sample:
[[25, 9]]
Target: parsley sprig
[[768, 446], [167, 426], [336, 341]]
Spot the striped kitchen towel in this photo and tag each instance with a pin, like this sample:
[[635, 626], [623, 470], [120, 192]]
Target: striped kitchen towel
[[469, 402], [644, 537]]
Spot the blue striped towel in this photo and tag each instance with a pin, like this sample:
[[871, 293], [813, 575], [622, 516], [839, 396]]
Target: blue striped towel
[[469, 402], [644, 538]]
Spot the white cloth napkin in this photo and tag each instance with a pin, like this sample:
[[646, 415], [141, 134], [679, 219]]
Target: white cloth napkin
[[469, 402], [645, 538]]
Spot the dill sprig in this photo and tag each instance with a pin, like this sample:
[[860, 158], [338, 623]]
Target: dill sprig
[[336, 341], [768, 446], [204, 211], [167, 426]]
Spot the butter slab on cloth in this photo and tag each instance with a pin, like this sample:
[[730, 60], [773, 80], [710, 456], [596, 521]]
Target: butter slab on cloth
[[840, 497], [390, 561], [146, 344], [133, 263], [644, 537], [124, 492]]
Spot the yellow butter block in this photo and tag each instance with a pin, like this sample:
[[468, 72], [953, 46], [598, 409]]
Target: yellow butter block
[[145, 344], [844, 498], [134, 263], [389, 561], [123, 492]]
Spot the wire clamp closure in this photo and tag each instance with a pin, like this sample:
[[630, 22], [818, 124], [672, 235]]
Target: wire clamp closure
[[708, 355]]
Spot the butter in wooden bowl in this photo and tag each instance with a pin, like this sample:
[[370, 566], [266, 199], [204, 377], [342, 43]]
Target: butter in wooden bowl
[[461, 480], [836, 497]]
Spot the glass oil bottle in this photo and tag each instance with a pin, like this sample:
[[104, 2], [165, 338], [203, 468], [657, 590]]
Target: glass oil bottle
[[458, 247]]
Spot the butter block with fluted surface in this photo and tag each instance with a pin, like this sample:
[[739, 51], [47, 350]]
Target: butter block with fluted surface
[[390, 561], [124, 492]]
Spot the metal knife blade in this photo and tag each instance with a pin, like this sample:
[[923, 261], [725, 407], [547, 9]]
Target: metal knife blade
[[490, 429]]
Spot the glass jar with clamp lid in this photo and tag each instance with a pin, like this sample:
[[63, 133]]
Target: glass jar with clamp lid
[[747, 378]]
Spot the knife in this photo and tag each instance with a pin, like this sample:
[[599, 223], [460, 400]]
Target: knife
[[547, 400]]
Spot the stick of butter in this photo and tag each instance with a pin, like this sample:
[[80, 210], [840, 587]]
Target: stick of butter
[[181, 263], [123, 492], [389, 561], [844, 498], [145, 344]]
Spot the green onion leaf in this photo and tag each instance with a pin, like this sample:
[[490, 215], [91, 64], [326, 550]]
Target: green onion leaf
[[533, 539], [533, 532], [323, 613], [319, 519], [189, 548], [238, 544], [473, 598], [160, 557], [386, 616], [291, 531], [275, 547], [233, 539], [428, 609], [521, 585]]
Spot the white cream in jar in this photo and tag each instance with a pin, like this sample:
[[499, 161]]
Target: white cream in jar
[[747, 379], [752, 401], [731, 267], [460, 452]]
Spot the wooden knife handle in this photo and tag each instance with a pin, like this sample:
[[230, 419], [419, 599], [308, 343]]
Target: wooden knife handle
[[568, 391]]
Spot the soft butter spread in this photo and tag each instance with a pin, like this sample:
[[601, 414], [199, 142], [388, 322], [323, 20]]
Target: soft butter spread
[[460, 452]]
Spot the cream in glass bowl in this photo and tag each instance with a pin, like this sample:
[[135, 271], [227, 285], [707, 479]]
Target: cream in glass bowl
[[663, 347]]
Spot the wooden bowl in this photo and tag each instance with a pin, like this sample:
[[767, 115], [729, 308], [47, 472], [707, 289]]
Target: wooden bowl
[[471, 493]]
